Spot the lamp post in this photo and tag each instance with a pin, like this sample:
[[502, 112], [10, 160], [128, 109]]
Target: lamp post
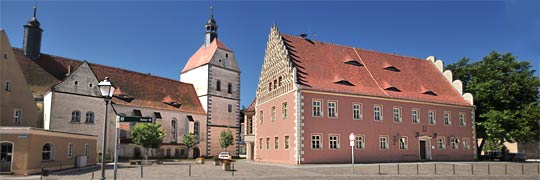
[[351, 143], [107, 91]]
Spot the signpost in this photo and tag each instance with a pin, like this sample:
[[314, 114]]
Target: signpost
[[351, 143], [119, 119]]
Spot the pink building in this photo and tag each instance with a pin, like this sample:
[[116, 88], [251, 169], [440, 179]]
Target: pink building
[[312, 95]]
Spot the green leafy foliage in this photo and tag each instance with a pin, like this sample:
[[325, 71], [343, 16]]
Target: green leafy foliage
[[188, 139], [226, 139], [148, 135], [505, 94]]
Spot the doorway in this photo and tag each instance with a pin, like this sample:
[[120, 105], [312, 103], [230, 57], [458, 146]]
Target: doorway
[[196, 152], [6, 157], [422, 150]]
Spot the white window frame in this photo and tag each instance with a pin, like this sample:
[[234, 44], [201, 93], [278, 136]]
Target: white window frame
[[317, 109], [432, 120], [75, 116], [7, 86], [454, 143], [287, 142], [273, 114], [333, 140], [357, 111], [70, 151], [447, 118], [441, 145], [284, 110], [403, 143], [378, 112], [462, 120], [17, 116], [383, 143], [276, 142], [90, 117], [332, 109], [466, 143], [267, 143], [360, 142], [415, 116], [51, 152], [398, 118], [317, 141], [260, 143]]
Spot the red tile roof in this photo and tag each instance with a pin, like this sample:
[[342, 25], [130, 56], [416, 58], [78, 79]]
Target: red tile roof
[[251, 107], [147, 90], [320, 65], [204, 55]]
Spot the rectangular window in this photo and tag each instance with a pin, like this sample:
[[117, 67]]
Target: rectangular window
[[267, 143], [431, 117], [260, 143], [70, 150], [286, 142], [17, 116], [454, 142], [360, 142], [316, 141], [466, 143], [261, 116], [462, 119], [447, 120], [284, 110], [137, 112], [317, 109], [229, 88], [86, 148], [415, 119], [403, 143], [273, 115], [332, 109], [229, 108], [270, 86], [397, 114], [357, 111], [7, 86], [377, 113], [440, 143], [334, 141], [383, 142], [276, 143]]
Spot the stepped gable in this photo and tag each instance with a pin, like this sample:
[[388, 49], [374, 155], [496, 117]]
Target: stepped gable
[[319, 64], [144, 89]]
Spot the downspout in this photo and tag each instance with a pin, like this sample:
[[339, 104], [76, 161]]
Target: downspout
[[298, 119]]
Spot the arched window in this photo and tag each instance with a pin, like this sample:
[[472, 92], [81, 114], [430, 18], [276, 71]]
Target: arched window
[[218, 85], [76, 116], [46, 152], [174, 130], [90, 117]]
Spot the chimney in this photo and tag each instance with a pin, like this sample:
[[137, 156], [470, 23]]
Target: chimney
[[304, 36]]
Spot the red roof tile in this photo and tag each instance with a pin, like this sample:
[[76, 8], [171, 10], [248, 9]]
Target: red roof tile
[[204, 55], [147, 90], [251, 107], [320, 65]]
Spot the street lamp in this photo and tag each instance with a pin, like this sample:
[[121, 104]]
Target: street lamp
[[107, 91], [351, 143]]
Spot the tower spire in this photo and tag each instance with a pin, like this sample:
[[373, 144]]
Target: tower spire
[[32, 37], [210, 28], [35, 8]]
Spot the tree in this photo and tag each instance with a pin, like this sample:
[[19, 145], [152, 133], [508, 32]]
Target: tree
[[189, 140], [506, 95], [148, 135], [226, 139]]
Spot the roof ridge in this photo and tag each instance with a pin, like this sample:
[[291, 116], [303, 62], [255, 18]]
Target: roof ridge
[[352, 47]]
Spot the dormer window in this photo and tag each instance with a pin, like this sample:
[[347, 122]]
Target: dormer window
[[174, 104], [392, 68], [344, 82], [354, 63], [125, 97], [157, 115], [430, 93], [137, 112], [392, 89]]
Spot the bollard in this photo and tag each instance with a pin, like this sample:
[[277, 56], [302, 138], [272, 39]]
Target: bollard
[[538, 168], [472, 169], [505, 169], [189, 170], [416, 168], [435, 169], [232, 168], [522, 169], [141, 171], [489, 170], [398, 168], [93, 174], [379, 169], [454, 168]]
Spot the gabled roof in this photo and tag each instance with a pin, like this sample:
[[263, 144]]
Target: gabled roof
[[251, 107], [318, 64], [146, 90], [204, 55]]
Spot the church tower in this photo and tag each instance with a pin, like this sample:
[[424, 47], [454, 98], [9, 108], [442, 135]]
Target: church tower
[[215, 75], [32, 37]]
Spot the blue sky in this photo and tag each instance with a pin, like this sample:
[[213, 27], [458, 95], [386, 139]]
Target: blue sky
[[158, 37]]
